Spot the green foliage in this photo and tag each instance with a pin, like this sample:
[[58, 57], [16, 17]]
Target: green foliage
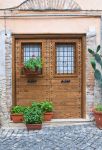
[[97, 75], [96, 58], [93, 63], [33, 63], [18, 109], [36, 105], [98, 108], [98, 48], [33, 116], [47, 106], [91, 51]]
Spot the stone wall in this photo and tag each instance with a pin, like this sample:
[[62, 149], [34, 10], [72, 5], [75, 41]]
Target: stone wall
[[90, 43], [5, 77]]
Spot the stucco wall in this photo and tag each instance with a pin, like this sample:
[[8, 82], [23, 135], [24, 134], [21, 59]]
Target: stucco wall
[[53, 25]]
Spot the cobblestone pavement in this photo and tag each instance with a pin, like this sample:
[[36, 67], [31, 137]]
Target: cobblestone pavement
[[75, 137]]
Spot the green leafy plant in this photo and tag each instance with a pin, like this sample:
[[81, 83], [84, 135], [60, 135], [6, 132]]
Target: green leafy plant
[[33, 63], [36, 105], [96, 63], [18, 109], [96, 58], [33, 116], [47, 106], [98, 108]]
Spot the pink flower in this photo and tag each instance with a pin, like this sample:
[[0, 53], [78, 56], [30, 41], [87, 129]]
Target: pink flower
[[33, 55]]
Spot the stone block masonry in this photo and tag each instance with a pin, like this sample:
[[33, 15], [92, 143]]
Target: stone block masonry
[[5, 77]]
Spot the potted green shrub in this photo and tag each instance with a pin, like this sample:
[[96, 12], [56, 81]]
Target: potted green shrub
[[96, 62], [17, 114], [33, 66], [36, 105], [33, 118], [47, 109]]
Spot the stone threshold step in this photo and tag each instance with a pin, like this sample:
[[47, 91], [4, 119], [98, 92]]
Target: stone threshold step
[[67, 123], [72, 120], [52, 123]]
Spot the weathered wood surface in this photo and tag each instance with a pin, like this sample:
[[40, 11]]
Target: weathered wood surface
[[66, 97]]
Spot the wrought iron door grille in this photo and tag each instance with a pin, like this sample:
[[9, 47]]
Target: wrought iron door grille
[[31, 50], [65, 58]]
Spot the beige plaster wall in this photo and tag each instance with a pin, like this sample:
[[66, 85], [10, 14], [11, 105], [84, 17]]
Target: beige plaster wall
[[53, 25], [85, 4]]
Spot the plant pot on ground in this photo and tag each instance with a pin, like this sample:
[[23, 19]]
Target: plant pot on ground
[[33, 66], [33, 118], [96, 62], [47, 109], [98, 115], [17, 114]]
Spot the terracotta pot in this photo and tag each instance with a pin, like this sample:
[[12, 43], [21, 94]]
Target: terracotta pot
[[29, 72], [34, 126], [98, 118], [17, 118], [48, 116]]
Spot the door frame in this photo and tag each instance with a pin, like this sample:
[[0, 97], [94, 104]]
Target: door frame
[[51, 36]]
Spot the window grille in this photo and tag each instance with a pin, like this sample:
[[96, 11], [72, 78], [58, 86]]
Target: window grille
[[31, 50], [65, 59]]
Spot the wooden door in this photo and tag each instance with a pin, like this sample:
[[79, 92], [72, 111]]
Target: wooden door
[[31, 88], [61, 77], [66, 77]]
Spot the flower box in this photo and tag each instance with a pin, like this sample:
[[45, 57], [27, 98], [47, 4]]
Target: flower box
[[28, 72]]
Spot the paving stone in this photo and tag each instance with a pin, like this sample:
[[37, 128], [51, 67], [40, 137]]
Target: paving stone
[[80, 137]]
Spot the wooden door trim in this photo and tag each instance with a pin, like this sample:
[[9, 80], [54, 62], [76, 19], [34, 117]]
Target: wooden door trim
[[52, 36], [83, 76], [48, 36]]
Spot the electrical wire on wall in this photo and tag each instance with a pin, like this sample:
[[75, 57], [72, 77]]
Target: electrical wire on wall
[[5, 25]]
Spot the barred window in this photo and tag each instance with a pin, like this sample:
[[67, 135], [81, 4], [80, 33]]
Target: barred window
[[65, 59], [31, 50]]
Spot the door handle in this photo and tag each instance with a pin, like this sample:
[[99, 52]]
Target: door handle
[[32, 81], [65, 81]]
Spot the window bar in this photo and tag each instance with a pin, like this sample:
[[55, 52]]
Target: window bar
[[63, 59], [58, 59], [71, 59], [67, 59], [29, 51]]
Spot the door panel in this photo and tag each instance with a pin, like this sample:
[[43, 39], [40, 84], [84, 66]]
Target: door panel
[[61, 78], [29, 89], [66, 90]]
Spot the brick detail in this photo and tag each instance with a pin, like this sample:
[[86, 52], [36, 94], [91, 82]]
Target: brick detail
[[91, 43]]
